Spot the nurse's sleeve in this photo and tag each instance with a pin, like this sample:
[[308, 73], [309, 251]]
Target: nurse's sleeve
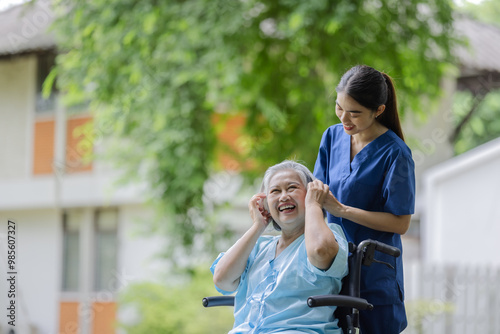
[[399, 186], [322, 161]]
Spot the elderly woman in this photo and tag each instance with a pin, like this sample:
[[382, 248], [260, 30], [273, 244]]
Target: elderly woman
[[274, 275]]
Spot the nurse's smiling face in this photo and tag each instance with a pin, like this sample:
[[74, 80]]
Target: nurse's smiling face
[[355, 118], [286, 199]]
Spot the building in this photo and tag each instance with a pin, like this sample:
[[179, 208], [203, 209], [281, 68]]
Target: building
[[73, 227], [462, 216]]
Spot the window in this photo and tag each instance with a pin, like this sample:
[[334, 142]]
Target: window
[[46, 62], [71, 250], [89, 271], [90, 250], [106, 245]]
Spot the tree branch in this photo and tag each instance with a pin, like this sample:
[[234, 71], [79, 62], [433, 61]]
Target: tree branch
[[477, 100]]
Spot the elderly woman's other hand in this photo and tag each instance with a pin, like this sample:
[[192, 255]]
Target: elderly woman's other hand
[[258, 212]]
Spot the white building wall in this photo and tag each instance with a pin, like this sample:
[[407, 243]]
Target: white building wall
[[462, 215], [72, 190], [38, 261], [17, 96]]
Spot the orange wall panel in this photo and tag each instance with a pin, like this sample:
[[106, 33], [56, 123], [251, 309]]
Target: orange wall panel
[[229, 131], [68, 320], [78, 145], [104, 318], [43, 153]]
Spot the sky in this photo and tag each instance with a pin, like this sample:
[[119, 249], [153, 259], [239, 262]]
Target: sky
[[4, 4]]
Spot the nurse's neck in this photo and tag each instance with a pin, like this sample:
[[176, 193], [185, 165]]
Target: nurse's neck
[[365, 137]]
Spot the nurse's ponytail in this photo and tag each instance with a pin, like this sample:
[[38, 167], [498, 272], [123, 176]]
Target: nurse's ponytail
[[371, 89], [390, 116]]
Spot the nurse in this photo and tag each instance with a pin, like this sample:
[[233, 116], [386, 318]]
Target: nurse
[[274, 275], [370, 172]]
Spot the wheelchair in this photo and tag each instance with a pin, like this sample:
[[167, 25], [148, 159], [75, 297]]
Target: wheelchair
[[348, 301]]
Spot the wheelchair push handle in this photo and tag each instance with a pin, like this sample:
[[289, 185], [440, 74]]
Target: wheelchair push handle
[[365, 253], [384, 248]]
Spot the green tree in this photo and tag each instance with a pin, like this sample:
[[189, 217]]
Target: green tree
[[156, 72], [483, 125]]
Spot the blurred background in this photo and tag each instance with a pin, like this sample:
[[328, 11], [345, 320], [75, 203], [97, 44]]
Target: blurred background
[[133, 134]]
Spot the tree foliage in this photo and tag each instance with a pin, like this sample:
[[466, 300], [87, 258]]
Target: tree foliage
[[483, 126], [157, 71]]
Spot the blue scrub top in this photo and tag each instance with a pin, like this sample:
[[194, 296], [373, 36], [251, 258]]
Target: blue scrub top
[[272, 294], [380, 178]]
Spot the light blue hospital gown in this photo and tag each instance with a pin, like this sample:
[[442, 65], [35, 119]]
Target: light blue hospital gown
[[272, 294]]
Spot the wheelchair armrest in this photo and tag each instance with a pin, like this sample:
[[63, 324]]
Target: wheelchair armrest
[[218, 301], [339, 300]]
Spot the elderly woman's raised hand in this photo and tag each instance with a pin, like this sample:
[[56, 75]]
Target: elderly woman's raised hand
[[317, 192], [260, 216]]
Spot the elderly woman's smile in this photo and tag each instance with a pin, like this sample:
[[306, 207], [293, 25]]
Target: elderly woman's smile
[[286, 207]]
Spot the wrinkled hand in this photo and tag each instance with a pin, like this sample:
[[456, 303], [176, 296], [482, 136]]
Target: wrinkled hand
[[260, 216], [317, 193]]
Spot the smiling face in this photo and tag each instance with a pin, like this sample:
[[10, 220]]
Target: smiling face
[[286, 199], [354, 117]]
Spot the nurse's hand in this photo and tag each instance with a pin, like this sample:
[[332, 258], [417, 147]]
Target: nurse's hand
[[332, 205], [258, 212]]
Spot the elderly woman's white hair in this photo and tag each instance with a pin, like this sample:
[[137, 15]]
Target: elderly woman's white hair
[[302, 171]]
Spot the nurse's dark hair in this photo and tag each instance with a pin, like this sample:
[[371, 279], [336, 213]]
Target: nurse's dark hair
[[302, 171], [371, 89]]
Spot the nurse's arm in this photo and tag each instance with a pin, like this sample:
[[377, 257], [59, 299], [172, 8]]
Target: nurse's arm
[[380, 221]]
